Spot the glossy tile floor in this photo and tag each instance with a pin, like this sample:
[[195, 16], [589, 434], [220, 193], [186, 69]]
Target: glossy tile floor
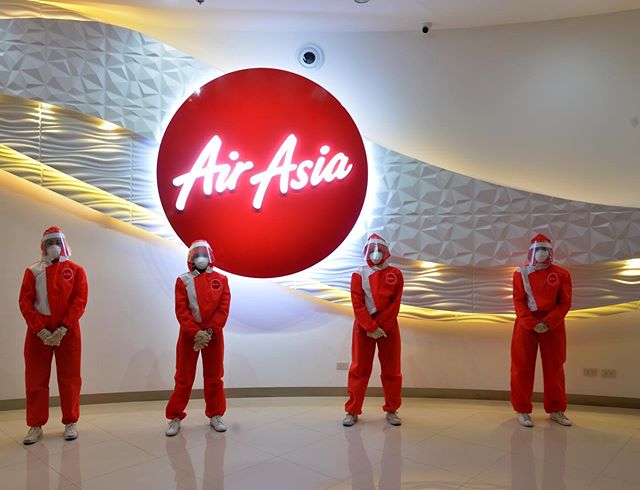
[[299, 444]]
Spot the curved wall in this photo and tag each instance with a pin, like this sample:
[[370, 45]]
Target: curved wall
[[276, 336]]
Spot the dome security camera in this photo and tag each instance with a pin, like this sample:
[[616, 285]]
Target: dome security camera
[[426, 27], [310, 56]]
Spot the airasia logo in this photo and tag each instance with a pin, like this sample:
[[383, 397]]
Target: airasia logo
[[391, 278], [268, 167], [281, 167]]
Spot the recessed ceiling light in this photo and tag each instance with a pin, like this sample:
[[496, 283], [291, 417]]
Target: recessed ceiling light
[[361, 1]]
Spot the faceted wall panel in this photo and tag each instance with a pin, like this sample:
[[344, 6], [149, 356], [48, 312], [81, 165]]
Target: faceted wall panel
[[432, 214], [106, 71]]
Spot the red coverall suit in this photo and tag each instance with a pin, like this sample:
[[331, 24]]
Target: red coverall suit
[[53, 294], [551, 290], [213, 299], [385, 286]]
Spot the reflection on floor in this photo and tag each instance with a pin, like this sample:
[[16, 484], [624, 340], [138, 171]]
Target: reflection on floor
[[299, 444]]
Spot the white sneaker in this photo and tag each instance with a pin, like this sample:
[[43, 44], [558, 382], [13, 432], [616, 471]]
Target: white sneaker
[[33, 436], [173, 429], [561, 418], [70, 432], [216, 423], [393, 419], [525, 419], [349, 420]]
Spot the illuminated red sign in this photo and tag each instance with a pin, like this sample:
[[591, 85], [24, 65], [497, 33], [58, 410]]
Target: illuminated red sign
[[268, 167]]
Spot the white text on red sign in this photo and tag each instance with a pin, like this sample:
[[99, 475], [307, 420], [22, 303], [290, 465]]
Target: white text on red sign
[[282, 166]]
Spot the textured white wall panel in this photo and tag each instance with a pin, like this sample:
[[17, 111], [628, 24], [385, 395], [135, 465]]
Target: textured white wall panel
[[98, 69]]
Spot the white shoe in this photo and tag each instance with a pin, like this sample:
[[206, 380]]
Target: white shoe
[[525, 419], [561, 418], [393, 419], [216, 423], [173, 429], [349, 420], [70, 432], [33, 436]]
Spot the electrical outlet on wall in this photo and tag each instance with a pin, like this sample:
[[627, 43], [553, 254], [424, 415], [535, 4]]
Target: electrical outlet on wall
[[342, 366], [590, 372], [608, 373]]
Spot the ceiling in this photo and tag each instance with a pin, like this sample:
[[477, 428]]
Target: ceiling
[[376, 15]]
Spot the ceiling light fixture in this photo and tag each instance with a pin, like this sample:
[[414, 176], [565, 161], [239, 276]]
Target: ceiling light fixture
[[361, 1]]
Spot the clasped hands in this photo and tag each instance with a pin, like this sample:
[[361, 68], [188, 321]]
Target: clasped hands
[[541, 328], [202, 339], [54, 338], [377, 333]]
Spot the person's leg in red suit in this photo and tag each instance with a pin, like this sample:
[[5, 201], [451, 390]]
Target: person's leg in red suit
[[524, 349], [37, 360], [363, 349], [186, 363], [69, 379], [553, 350], [391, 375], [213, 367]]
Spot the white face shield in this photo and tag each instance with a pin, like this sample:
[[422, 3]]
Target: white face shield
[[200, 255], [54, 246], [376, 250], [540, 253]]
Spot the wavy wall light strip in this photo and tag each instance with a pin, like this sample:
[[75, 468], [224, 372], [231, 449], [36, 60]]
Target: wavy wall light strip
[[480, 289], [342, 297], [95, 151], [38, 173], [27, 9]]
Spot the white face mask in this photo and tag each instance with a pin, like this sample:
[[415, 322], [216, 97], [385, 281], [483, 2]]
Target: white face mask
[[53, 251], [201, 262], [541, 255], [375, 256]]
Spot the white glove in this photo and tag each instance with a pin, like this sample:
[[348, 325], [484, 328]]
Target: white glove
[[541, 328], [202, 339], [56, 337], [377, 333], [44, 335]]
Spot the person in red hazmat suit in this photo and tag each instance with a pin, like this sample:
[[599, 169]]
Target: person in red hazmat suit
[[202, 308], [542, 299], [52, 299], [376, 292]]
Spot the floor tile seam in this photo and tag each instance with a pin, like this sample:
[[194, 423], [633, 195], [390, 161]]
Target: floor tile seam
[[414, 460], [238, 470], [309, 468], [120, 469], [604, 469], [102, 474], [485, 446], [327, 436]]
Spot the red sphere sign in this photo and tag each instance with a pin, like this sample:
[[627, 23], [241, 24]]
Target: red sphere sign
[[265, 165]]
